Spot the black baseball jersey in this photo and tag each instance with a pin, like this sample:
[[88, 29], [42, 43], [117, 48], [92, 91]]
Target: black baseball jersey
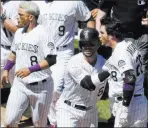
[[126, 11]]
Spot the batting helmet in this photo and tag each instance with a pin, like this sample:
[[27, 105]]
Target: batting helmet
[[89, 37]]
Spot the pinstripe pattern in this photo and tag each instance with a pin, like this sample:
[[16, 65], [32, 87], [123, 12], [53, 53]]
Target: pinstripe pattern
[[128, 60], [61, 22], [68, 116], [137, 111], [11, 11], [39, 98]]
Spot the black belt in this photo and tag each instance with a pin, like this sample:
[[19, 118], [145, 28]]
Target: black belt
[[120, 98], [58, 48], [35, 83], [6, 47], [83, 108]]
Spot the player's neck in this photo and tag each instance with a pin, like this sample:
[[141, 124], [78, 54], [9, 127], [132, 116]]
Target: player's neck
[[113, 43], [31, 26], [91, 60]]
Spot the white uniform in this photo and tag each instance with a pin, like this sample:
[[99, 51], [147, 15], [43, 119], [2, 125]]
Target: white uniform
[[11, 9], [60, 17], [73, 115], [126, 57], [35, 89]]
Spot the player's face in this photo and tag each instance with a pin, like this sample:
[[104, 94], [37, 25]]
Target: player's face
[[104, 38], [23, 18], [89, 49]]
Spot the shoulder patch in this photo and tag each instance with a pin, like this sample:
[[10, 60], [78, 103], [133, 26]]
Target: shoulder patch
[[121, 63], [51, 45]]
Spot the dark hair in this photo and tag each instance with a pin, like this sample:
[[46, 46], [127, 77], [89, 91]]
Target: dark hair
[[113, 27]]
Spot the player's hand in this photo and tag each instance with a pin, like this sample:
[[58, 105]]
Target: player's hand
[[123, 119], [5, 78], [145, 21], [22, 72], [94, 12]]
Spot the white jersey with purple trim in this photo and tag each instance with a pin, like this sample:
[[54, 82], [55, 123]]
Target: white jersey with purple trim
[[11, 10], [60, 18], [31, 48], [124, 57]]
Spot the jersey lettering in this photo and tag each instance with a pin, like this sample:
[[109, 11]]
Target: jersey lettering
[[101, 90], [114, 75], [61, 30], [33, 60]]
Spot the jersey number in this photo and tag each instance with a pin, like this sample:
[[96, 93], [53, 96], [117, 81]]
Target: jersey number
[[7, 33], [139, 66], [61, 30], [101, 90], [33, 60], [114, 75]]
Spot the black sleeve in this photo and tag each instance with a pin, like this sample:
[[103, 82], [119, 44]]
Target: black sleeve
[[87, 82], [106, 5], [128, 87], [51, 59]]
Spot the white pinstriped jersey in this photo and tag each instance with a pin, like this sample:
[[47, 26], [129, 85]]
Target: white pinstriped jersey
[[60, 17], [124, 57], [30, 49], [11, 10], [77, 69]]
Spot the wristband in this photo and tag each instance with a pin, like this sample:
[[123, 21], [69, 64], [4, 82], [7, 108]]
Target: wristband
[[35, 68], [9, 65]]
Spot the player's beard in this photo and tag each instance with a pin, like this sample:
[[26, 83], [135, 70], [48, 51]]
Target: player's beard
[[88, 51]]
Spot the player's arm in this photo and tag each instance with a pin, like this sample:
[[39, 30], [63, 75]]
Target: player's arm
[[83, 14], [104, 8], [83, 78], [10, 63], [44, 64], [128, 87], [124, 63], [91, 82], [8, 23], [128, 91]]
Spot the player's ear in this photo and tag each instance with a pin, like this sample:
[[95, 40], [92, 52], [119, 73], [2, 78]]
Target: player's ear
[[31, 17]]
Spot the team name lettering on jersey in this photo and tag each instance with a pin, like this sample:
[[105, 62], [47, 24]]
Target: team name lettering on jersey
[[27, 47], [131, 49], [54, 16]]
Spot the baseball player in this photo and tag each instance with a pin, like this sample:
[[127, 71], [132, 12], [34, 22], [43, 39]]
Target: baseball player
[[76, 106], [31, 52], [60, 18], [9, 12], [126, 77]]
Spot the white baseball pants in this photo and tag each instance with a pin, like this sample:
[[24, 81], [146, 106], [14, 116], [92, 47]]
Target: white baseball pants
[[37, 96]]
